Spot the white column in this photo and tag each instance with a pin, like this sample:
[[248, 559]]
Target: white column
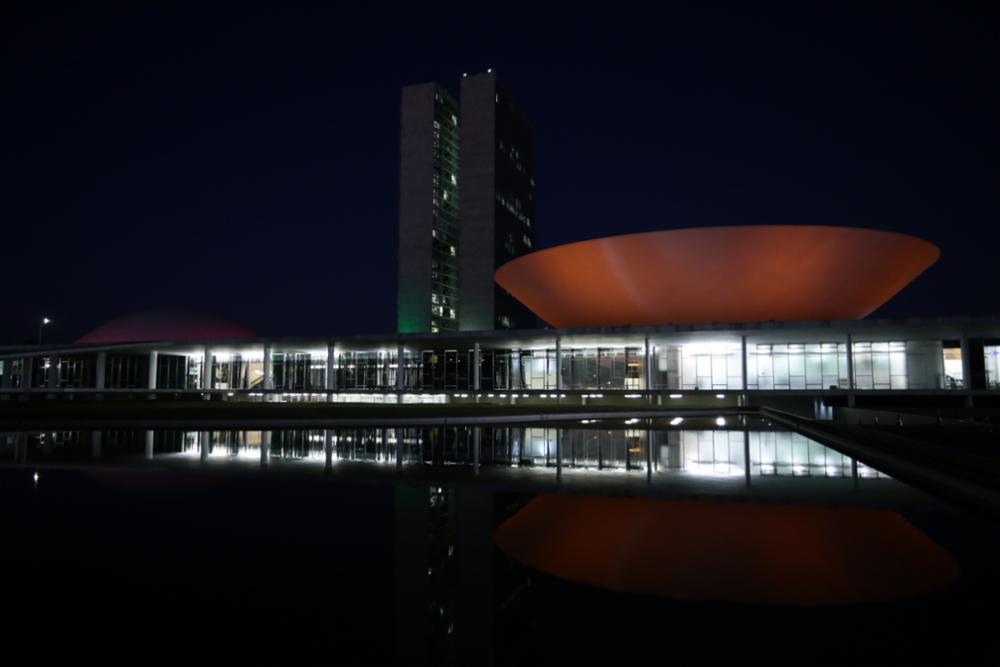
[[265, 447], [27, 371], [648, 368], [649, 449], [52, 377], [206, 368], [149, 444], [743, 347], [746, 453], [558, 363], [399, 448], [95, 444], [206, 441], [331, 380], [477, 442], [328, 448], [268, 367], [966, 363], [967, 370], [559, 454], [850, 370], [100, 370], [400, 368], [154, 357], [476, 356], [850, 362]]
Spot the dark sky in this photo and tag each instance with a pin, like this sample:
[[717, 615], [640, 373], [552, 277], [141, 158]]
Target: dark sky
[[246, 164]]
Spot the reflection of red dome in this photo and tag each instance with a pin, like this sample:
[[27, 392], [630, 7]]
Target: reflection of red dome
[[157, 325], [717, 274], [770, 554]]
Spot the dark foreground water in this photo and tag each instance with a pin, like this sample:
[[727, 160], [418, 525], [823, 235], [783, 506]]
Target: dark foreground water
[[378, 545]]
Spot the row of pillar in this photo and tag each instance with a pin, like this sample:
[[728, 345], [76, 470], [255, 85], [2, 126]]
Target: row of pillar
[[52, 377]]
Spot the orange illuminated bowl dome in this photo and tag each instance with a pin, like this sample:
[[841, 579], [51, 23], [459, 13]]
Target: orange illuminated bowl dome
[[717, 274]]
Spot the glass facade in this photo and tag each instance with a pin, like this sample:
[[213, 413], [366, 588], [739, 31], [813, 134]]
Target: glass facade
[[366, 370], [991, 358], [954, 370], [176, 371], [299, 371], [899, 365], [236, 371], [673, 366], [691, 366], [126, 371], [797, 366]]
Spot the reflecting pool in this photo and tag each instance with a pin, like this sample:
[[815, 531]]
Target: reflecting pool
[[492, 544]]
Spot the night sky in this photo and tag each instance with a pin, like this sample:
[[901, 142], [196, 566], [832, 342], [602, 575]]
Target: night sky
[[247, 164]]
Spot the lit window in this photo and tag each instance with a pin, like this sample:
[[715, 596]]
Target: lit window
[[453, 252]]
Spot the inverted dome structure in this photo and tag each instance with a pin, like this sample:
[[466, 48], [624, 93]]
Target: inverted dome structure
[[161, 325], [717, 274]]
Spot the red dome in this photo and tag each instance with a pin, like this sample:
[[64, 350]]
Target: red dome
[[717, 274], [162, 325]]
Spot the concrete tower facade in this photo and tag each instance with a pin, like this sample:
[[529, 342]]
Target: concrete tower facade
[[428, 211], [466, 206], [497, 173]]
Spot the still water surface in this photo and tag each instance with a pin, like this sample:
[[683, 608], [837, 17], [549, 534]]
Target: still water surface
[[380, 544]]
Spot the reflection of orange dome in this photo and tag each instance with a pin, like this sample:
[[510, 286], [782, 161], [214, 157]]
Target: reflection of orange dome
[[163, 325], [717, 274], [735, 552]]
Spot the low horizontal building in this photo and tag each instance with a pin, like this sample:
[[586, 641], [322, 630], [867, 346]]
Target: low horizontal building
[[955, 357], [595, 292]]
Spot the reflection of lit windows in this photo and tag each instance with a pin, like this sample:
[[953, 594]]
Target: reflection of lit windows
[[434, 297], [527, 241], [454, 181], [453, 252], [451, 313]]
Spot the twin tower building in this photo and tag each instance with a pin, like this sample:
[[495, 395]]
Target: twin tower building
[[466, 206]]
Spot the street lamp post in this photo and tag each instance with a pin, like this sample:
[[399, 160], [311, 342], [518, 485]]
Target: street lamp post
[[41, 324]]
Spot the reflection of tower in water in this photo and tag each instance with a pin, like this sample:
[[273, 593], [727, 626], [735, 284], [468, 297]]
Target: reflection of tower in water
[[444, 574]]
